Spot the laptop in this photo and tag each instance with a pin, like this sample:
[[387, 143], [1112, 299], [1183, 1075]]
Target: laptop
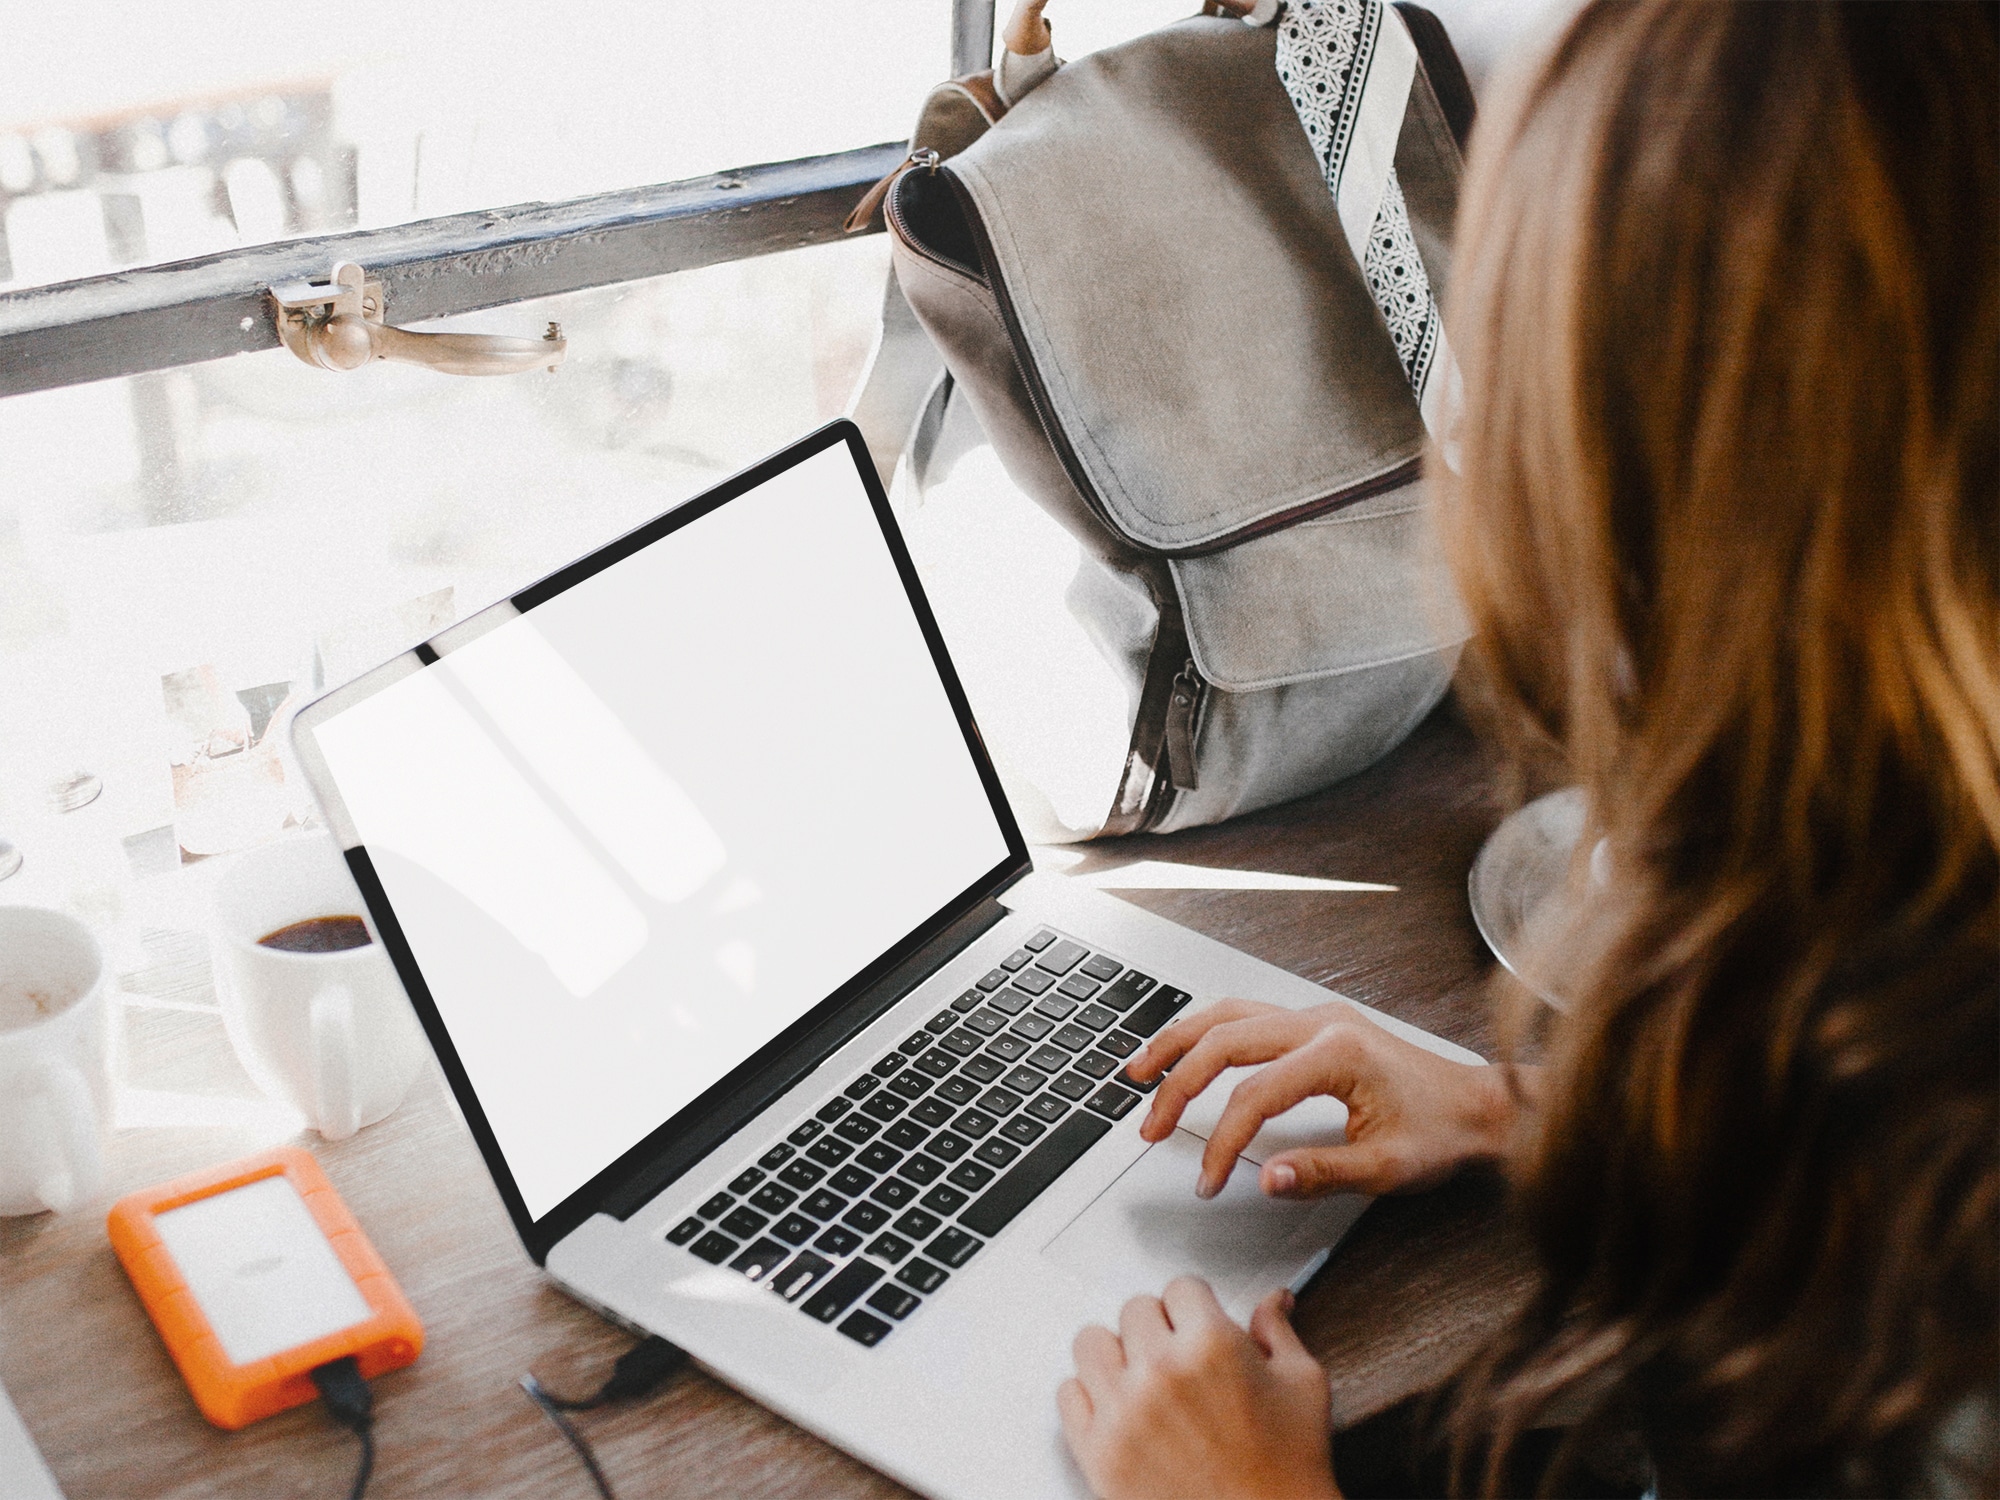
[[704, 888]]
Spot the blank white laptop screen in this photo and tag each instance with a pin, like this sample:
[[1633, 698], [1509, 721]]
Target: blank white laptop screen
[[636, 832]]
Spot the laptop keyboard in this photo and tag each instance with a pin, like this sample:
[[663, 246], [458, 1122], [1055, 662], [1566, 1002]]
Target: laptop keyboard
[[867, 1206]]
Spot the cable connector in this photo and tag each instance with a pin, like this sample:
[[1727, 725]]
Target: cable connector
[[637, 1371], [346, 1396]]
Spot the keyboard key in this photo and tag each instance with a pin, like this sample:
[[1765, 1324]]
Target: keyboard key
[[994, 980], [866, 1217], [1119, 1043], [823, 1204], [893, 1192], [1155, 1011], [1112, 1102], [1079, 987], [921, 1169], [912, 1044], [1096, 1064], [970, 1175], [944, 1199], [1024, 1080], [888, 1065], [954, 1247], [999, 1102], [1062, 957], [949, 1145], [1049, 1059], [894, 1301], [879, 1157], [922, 1275], [1034, 1028], [885, 1106], [850, 1180], [986, 1022], [802, 1175], [837, 1240], [719, 1204], [1055, 1007], [833, 1109], [1020, 958], [905, 1135], [1096, 1017], [761, 1259], [998, 1206], [911, 1084], [1144, 1088], [931, 1112], [1023, 1129], [996, 1152], [959, 1090], [1127, 992], [795, 1229], [1039, 941], [890, 1247], [937, 1062], [776, 1157], [772, 1199], [830, 1152], [684, 1231], [963, 1041], [974, 1123], [1011, 1002], [968, 1001], [942, 1022], [1072, 1086], [1047, 1108], [842, 1292], [805, 1269], [1073, 1037], [863, 1086], [713, 1248], [743, 1223], [1034, 981], [1100, 967], [865, 1329], [857, 1128], [984, 1069], [805, 1132], [915, 1224]]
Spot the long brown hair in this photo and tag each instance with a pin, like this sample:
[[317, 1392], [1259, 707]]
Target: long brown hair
[[1727, 522]]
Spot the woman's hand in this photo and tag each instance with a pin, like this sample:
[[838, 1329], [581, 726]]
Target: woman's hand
[[1182, 1402], [1413, 1118]]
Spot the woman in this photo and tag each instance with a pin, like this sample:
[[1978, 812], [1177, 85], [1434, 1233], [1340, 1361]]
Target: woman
[[1727, 520]]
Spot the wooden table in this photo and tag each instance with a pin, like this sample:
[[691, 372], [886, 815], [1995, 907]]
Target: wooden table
[[1409, 1292]]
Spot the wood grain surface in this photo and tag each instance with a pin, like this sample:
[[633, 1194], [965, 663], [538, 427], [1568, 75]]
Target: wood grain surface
[[1412, 1289]]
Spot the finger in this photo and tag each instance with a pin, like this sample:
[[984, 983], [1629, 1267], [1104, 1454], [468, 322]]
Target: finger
[[1142, 1324], [1235, 1044], [1324, 1065], [1074, 1406], [1100, 1360], [1271, 1327], [1027, 33], [1173, 1042], [1191, 1305], [1313, 1172]]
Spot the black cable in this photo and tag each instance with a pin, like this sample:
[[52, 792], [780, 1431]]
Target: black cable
[[638, 1370], [347, 1397]]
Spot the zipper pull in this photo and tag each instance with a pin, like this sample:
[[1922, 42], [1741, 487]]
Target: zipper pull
[[864, 211], [1182, 706]]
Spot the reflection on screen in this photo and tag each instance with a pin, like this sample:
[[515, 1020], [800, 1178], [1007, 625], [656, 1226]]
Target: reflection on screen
[[634, 834]]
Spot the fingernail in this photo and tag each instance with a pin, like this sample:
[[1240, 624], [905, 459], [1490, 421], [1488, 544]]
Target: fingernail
[[1284, 1177], [1204, 1188], [1290, 1302]]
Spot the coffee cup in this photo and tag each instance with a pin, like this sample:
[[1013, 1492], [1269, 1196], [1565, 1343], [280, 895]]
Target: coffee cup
[[55, 1088], [322, 1027]]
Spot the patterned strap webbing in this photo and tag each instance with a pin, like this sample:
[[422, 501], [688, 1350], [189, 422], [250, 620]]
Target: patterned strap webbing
[[1348, 66]]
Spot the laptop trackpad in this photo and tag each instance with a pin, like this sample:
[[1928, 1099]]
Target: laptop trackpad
[[1148, 1227]]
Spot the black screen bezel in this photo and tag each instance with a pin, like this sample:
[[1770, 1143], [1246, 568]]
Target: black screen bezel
[[772, 1068]]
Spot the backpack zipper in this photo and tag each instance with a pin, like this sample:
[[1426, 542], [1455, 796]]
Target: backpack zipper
[[1178, 736], [863, 213]]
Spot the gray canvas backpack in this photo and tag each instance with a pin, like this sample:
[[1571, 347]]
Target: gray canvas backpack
[[1139, 281]]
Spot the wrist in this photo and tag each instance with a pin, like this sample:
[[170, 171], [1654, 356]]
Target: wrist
[[1492, 1110]]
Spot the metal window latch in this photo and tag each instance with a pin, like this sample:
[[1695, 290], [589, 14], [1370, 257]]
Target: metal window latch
[[337, 325]]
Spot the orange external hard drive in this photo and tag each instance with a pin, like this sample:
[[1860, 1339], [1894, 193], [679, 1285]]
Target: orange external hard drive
[[256, 1274]]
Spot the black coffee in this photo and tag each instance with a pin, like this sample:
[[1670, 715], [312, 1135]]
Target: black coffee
[[318, 935]]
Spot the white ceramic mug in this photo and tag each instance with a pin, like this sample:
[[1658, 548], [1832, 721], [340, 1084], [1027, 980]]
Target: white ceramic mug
[[55, 1090], [331, 1034]]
